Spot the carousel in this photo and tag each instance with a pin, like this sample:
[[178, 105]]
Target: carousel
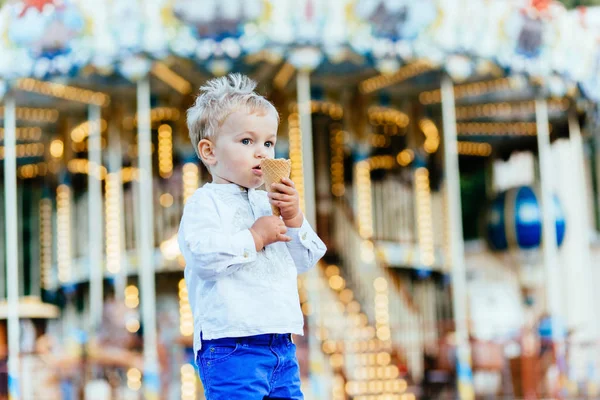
[[448, 156]]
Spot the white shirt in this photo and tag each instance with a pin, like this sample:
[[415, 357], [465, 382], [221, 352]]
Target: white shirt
[[234, 290]]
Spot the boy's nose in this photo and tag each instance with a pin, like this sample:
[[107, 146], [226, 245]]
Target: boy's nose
[[261, 153]]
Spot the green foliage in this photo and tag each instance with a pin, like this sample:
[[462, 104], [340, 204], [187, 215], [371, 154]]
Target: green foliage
[[473, 202], [580, 3]]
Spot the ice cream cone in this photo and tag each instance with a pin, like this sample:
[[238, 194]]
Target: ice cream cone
[[273, 172]]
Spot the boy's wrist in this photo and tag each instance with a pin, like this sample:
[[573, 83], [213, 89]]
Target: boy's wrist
[[258, 241], [295, 222]]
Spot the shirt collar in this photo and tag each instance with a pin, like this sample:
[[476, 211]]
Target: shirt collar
[[227, 187]]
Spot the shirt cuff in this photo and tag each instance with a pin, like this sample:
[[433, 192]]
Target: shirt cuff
[[302, 234], [244, 244]]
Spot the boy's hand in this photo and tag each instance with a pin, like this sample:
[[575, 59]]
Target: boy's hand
[[286, 197], [267, 230]]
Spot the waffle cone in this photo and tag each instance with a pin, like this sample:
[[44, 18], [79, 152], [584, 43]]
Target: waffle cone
[[273, 172]]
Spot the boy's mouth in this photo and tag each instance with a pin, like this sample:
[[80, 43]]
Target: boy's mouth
[[257, 171]]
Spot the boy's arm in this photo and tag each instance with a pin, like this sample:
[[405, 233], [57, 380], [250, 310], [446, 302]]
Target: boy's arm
[[211, 252], [306, 248]]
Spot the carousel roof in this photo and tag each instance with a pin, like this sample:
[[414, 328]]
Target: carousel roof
[[539, 39]]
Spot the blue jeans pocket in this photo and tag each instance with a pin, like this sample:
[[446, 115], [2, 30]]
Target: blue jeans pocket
[[217, 353]]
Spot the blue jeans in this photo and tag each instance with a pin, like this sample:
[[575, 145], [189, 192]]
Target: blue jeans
[[250, 368]]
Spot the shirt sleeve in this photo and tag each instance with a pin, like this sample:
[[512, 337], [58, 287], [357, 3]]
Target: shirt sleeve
[[211, 252], [306, 248]]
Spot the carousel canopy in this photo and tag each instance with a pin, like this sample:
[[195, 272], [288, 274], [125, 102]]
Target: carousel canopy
[[540, 39]]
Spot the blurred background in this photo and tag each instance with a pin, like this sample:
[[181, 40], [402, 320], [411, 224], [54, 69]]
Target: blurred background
[[447, 151]]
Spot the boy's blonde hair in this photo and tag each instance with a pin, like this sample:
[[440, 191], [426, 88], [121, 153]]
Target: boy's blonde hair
[[219, 98]]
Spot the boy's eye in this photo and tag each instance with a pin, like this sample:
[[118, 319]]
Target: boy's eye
[[245, 141], [269, 144]]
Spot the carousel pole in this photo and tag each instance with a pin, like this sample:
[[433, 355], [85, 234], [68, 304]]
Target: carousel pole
[[596, 140], [95, 228], [2, 248], [115, 160], [311, 277], [549, 245], [146, 266], [308, 169], [581, 211], [12, 256], [457, 250]]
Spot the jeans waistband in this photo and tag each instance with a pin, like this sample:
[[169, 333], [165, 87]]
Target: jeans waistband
[[265, 339]]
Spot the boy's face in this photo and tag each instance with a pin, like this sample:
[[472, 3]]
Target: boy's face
[[241, 143]]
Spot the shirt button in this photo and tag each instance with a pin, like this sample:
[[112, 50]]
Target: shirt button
[[245, 254], [304, 236], [212, 349]]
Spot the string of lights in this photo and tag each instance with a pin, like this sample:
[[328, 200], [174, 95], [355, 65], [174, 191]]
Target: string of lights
[[506, 109], [186, 328], [132, 301], [471, 90], [497, 128], [284, 75], [82, 166], [157, 114], [134, 379], [171, 78], [26, 150], [63, 238], [379, 115], [424, 217], [188, 382], [165, 151], [404, 73], [186, 322], [129, 174], [474, 149], [405, 157], [334, 110], [25, 133], [113, 224], [30, 171], [381, 162], [295, 138], [432, 136], [82, 131], [337, 143], [30, 114], [191, 180], [45, 211], [363, 185], [63, 92]]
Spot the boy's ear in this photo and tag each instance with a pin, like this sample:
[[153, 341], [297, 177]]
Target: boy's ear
[[206, 149]]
